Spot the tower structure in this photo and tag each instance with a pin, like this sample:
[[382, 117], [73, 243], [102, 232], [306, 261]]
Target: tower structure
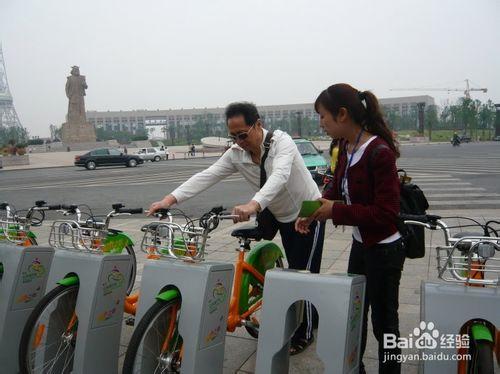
[[8, 114]]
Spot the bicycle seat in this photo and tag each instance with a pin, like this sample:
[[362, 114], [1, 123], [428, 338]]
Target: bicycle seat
[[115, 231], [249, 232]]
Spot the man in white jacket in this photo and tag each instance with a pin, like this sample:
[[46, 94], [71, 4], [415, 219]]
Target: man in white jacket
[[288, 184]]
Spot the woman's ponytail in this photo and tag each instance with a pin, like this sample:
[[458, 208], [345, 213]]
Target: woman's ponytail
[[375, 122], [363, 108]]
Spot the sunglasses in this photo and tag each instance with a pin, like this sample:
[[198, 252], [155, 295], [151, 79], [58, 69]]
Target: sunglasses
[[240, 136]]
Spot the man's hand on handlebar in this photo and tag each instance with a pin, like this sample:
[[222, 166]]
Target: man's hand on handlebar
[[166, 203], [243, 212]]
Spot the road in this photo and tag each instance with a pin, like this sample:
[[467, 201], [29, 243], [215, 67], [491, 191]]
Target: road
[[464, 177]]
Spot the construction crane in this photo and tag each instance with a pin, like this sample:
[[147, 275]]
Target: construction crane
[[467, 90]]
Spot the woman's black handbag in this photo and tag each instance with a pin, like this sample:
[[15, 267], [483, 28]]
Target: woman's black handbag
[[267, 223]]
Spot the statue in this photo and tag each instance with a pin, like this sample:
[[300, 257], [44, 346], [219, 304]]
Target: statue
[[75, 91], [76, 129]]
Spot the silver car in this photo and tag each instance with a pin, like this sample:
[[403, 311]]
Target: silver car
[[152, 154]]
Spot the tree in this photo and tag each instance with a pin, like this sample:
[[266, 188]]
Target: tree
[[486, 117], [17, 134], [164, 130], [431, 120], [172, 133]]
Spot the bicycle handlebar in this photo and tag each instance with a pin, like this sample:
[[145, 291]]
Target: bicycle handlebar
[[130, 211], [423, 218]]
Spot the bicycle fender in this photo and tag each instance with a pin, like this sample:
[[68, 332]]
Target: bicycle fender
[[116, 242], [262, 257], [69, 281], [481, 332], [167, 295]]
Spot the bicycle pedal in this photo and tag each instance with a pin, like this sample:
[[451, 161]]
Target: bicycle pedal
[[130, 321]]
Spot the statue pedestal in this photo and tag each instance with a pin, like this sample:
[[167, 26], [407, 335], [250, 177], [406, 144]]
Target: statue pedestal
[[77, 133]]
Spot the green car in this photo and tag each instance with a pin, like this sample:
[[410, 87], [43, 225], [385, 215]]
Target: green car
[[313, 159]]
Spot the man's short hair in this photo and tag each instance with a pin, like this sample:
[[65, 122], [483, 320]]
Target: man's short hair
[[247, 110]]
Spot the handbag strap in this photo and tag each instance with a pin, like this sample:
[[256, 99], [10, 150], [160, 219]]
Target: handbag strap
[[267, 145]]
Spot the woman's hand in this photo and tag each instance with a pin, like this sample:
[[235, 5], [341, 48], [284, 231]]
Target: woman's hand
[[302, 225], [323, 213]]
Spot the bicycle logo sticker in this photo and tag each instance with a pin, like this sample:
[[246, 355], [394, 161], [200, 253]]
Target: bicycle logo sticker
[[115, 280], [215, 332], [356, 312], [27, 297], [107, 314], [219, 294], [35, 270]]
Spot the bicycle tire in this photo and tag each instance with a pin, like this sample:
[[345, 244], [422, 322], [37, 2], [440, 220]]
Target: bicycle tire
[[482, 358], [254, 331], [133, 271], [26, 342], [145, 324]]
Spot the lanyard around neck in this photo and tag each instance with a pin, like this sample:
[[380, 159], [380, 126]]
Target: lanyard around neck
[[344, 178]]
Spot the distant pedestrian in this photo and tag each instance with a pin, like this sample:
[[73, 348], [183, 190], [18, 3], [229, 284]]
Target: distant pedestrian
[[193, 150], [125, 150]]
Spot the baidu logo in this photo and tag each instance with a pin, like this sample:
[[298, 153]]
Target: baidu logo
[[425, 336]]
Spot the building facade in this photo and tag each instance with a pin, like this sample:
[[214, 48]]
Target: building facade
[[160, 123]]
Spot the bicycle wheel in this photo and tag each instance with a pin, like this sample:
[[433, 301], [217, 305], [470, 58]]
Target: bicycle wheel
[[133, 271], [49, 335], [155, 346], [254, 295], [482, 358]]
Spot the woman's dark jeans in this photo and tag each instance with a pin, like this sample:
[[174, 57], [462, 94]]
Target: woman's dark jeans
[[382, 265]]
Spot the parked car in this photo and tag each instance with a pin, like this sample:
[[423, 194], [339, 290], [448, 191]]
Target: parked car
[[315, 162], [497, 138], [152, 154], [107, 157]]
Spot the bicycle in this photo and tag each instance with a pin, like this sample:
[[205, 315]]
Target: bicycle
[[115, 241], [15, 228], [158, 329], [469, 258], [90, 236]]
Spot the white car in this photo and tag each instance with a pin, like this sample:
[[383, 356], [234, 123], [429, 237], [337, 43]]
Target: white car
[[152, 154]]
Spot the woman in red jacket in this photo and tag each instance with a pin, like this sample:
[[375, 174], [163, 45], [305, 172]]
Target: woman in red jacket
[[364, 194]]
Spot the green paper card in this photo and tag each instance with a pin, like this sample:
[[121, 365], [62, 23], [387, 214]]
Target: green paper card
[[309, 207]]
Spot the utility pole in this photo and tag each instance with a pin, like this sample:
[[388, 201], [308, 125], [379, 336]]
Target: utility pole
[[430, 130], [421, 116], [299, 123]]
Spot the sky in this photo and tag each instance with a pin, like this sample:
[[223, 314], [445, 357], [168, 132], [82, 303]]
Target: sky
[[160, 54]]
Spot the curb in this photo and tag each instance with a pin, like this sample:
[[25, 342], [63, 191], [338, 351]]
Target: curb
[[9, 168]]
